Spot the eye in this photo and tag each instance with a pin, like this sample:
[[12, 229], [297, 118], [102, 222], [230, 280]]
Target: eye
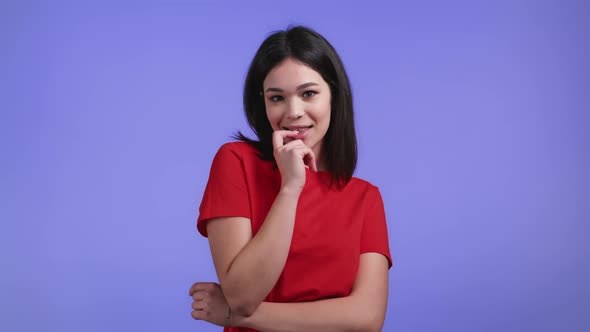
[[309, 94], [275, 99]]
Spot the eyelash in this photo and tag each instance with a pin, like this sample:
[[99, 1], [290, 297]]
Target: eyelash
[[310, 91], [306, 94]]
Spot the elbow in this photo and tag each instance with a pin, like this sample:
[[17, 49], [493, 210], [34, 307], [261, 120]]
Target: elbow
[[372, 322], [377, 327], [242, 306], [241, 301], [369, 327]]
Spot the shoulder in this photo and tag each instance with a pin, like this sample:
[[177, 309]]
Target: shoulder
[[371, 193], [237, 155], [239, 150], [360, 191], [358, 184], [237, 147]]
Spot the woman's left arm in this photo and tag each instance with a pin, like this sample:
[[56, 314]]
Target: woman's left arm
[[363, 310]]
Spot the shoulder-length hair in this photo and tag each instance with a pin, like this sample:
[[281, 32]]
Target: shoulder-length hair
[[309, 47]]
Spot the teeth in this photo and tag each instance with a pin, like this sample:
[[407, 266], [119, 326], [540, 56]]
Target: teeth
[[299, 130]]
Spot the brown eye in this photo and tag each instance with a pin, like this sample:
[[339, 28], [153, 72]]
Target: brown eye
[[309, 93], [275, 98]]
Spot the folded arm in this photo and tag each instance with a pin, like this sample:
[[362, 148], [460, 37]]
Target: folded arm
[[248, 267], [363, 310]]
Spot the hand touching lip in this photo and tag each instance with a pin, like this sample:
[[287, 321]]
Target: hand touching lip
[[291, 156], [302, 131], [297, 127]]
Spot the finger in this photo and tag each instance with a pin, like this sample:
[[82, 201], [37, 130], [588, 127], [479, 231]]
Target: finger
[[199, 305], [200, 295], [199, 314], [306, 154], [197, 286], [200, 286], [310, 160], [308, 157], [278, 137], [293, 144]]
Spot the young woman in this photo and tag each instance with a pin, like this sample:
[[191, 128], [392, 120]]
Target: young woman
[[298, 243]]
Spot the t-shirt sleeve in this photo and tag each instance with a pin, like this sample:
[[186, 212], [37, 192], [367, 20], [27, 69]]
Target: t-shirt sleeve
[[374, 236], [226, 194]]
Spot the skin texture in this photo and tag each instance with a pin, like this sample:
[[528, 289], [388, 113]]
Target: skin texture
[[363, 310], [296, 97]]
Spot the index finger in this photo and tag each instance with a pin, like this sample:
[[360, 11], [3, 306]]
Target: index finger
[[278, 137], [311, 161], [199, 286]]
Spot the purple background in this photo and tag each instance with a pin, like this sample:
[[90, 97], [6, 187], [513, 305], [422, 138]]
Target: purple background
[[472, 118]]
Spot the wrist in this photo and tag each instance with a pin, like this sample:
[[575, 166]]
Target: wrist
[[228, 322], [290, 190]]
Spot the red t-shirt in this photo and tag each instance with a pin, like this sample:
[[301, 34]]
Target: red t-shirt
[[332, 227]]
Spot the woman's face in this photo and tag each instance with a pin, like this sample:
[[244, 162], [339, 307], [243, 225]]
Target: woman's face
[[297, 98]]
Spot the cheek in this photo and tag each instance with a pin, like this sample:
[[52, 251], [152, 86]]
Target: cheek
[[273, 117], [324, 112]]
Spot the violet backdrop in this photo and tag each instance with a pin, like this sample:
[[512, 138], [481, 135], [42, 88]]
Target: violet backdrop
[[472, 118]]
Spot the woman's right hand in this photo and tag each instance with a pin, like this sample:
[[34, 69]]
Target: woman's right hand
[[292, 158]]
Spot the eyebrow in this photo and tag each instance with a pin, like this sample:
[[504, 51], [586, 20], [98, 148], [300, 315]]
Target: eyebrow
[[302, 86]]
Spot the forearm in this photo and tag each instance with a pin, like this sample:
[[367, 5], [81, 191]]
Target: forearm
[[340, 314], [257, 267]]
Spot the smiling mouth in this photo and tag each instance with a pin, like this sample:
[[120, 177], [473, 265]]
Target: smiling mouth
[[298, 128], [301, 131]]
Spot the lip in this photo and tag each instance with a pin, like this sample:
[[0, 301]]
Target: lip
[[303, 131], [297, 127]]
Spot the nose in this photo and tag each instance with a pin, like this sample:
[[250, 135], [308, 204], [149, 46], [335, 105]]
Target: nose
[[295, 109]]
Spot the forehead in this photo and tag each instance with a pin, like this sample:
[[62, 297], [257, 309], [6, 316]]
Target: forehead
[[291, 73]]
